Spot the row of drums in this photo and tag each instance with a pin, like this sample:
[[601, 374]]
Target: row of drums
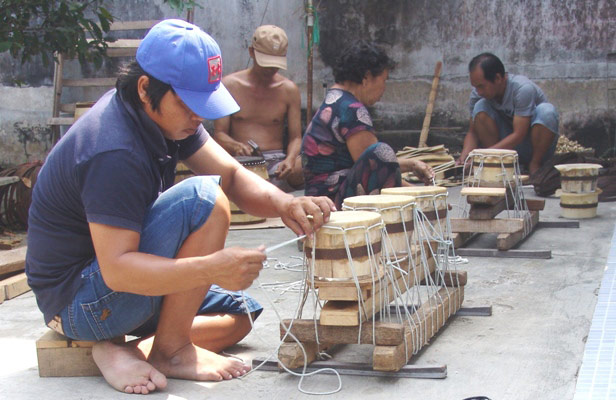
[[353, 243]]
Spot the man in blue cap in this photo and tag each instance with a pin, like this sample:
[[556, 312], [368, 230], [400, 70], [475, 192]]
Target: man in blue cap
[[113, 249]]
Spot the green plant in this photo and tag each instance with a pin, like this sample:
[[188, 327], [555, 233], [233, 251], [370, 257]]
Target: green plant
[[78, 28]]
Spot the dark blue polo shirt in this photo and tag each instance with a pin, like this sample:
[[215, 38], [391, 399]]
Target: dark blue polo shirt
[[109, 168]]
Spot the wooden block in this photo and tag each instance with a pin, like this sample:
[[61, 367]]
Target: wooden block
[[505, 241], [483, 195], [292, 356], [485, 211], [460, 238], [385, 333], [2, 297], [451, 278], [500, 225], [535, 204], [342, 293], [349, 313], [60, 356], [14, 286], [12, 260], [430, 320]]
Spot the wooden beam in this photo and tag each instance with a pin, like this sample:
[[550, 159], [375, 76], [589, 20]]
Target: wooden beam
[[451, 278], [14, 286], [433, 316], [501, 225], [423, 136], [90, 82], [485, 211], [505, 241], [483, 195], [13, 260], [385, 333], [290, 354]]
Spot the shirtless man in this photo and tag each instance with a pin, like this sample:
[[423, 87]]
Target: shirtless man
[[114, 248], [509, 112], [266, 99]]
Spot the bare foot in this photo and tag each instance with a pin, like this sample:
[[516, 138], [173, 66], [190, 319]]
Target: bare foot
[[194, 363], [126, 370]]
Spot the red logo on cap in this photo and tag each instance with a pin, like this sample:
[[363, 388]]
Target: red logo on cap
[[214, 65]]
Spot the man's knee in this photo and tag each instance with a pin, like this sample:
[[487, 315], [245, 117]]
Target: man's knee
[[222, 209], [546, 114]]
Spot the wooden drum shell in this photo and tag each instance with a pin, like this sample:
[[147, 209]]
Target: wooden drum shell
[[579, 205], [431, 200], [258, 166], [492, 167], [578, 178], [397, 214], [331, 258]]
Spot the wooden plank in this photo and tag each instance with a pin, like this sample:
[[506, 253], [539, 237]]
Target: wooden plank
[[385, 333], [7, 180], [558, 224], [291, 355], [60, 356], [347, 313], [433, 315], [342, 292], [14, 286], [505, 241], [90, 82], [483, 195], [485, 211], [460, 238], [500, 225], [60, 121], [13, 260]]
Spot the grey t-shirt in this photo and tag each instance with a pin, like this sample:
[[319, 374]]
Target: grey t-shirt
[[520, 98]]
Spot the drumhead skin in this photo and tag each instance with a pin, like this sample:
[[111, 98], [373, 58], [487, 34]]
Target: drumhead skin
[[415, 190], [377, 201], [493, 152]]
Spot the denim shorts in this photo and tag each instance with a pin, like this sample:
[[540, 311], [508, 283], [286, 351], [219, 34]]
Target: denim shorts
[[99, 313], [544, 114]]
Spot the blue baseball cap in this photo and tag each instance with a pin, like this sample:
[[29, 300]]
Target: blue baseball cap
[[180, 54]]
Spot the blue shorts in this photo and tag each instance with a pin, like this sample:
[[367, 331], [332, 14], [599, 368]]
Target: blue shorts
[[99, 313], [544, 114]]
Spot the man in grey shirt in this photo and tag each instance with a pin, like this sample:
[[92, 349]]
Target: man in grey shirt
[[509, 112]]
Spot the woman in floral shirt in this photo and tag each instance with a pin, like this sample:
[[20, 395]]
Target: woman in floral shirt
[[341, 154]]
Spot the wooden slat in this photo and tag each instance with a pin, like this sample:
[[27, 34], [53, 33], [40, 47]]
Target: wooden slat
[[451, 278], [13, 260], [90, 82], [483, 191], [61, 121], [501, 225], [392, 358], [14, 286], [385, 333]]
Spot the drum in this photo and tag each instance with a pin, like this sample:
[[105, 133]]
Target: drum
[[397, 214], [579, 205], [578, 178], [493, 167], [258, 166], [347, 247]]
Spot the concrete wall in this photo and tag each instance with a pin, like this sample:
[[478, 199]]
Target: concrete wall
[[564, 45]]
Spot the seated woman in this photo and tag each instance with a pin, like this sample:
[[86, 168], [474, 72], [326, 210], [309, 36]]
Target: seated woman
[[340, 152]]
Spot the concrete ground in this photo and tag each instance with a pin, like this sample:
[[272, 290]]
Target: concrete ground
[[530, 348]]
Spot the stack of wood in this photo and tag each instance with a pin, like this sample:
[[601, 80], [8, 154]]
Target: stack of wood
[[437, 157], [13, 280]]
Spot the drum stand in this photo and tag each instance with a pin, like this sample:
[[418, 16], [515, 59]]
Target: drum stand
[[357, 322], [485, 204]]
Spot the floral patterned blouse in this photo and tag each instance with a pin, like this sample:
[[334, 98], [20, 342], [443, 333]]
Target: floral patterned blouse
[[325, 157]]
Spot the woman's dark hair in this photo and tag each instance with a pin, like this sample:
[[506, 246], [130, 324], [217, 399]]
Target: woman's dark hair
[[490, 65], [356, 60], [127, 86]]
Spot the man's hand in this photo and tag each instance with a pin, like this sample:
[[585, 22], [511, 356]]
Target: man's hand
[[237, 268], [284, 169], [242, 149], [424, 172], [295, 213]]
